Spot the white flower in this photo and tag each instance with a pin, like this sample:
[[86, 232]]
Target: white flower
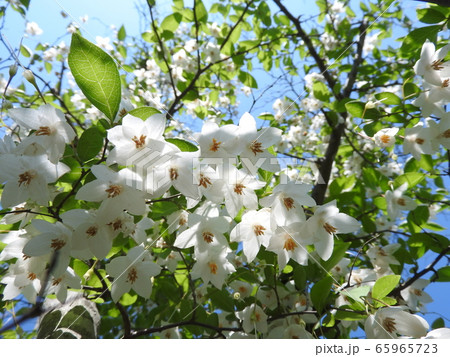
[[289, 242], [218, 142], [177, 221], [440, 133], [254, 144], [238, 189], [431, 64], [390, 322], [59, 284], [381, 257], [385, 137], [396, 201], [342, 268], [115, 189], [104, 42], [52, 132], [133, 271], [414, 295], [33, 29], [25, 277], [241, 288], [27, 178], [253, 318], [362, 277], [326, 222], [286, 201], [254, 230], [92, 230], [418, 141], [443, 332], [205, 232], [137, 139], [212, 266], [50, 239]]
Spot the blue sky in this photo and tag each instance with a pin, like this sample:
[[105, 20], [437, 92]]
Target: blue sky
[[102, 14]]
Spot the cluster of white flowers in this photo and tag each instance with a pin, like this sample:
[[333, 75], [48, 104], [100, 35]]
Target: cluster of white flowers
[[152, 166]]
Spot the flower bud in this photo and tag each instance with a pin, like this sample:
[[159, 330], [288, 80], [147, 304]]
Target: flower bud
[[88, 275], [29, 76], [12, 70]]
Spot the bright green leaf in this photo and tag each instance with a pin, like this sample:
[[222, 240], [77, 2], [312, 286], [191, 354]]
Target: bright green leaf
[[430, 16], [384, 285], [96, 74], [412, 178], [183, 145], [144, 112]]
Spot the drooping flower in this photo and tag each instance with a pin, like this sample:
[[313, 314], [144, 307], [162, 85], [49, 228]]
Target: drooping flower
[[254, 144], [414, 295], [136, 140], [52, 132], [392, 322], [212, 266], [397, 201], [289, 242], [118, 190], [431, 64], [326, 222], [60, 283], [27, 178], [253, 231], [53, 239], [418, 141], [133, 271], [218, 142], [238, 189], [382, 258], [204, 233], [286, 201], [253, 317]]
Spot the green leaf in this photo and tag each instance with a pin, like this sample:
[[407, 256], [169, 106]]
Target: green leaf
[[443, 274], [200, 11], [79, 320], [419, 215], [415, 39], [90, 143], [96, 74], [412, 178], [430, 16], [247, 79], [171, 22], [222, 299], [163, 209], [349, 316], [48, 324], [183, 145], [121, 34], [144, 112], [25, 51], [300, 277], [438, 323], [128, 299], [384, 286], [388, 98], [319, 293], [358, 110], [357, 293], [320, 91]]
